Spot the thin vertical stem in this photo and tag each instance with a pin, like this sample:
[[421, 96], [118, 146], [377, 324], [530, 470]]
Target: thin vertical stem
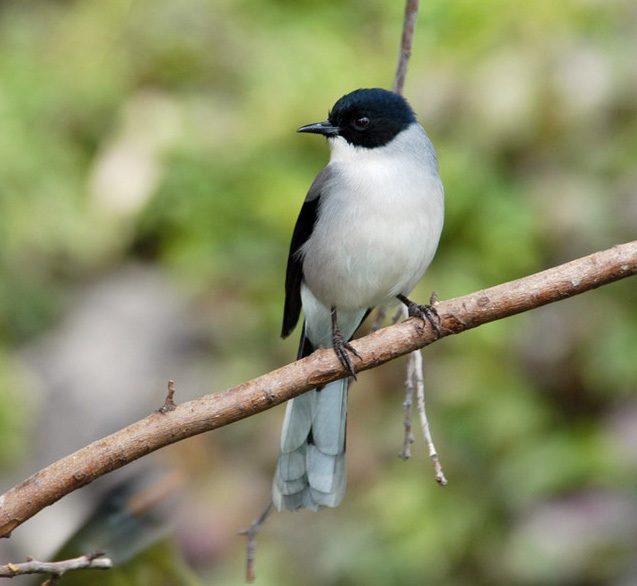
[[409, 26]]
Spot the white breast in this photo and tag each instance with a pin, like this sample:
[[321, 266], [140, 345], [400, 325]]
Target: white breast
[[380, 219]]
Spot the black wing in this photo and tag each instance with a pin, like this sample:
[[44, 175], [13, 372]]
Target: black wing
[[302, 231]]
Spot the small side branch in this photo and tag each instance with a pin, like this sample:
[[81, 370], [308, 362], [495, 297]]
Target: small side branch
[[415, 384], [408, 403], [94, 561], [169, 403], [405, 452], [409, 26], [251, 535], [416, 367]]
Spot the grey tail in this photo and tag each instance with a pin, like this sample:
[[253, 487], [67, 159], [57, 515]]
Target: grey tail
[[311, 469]]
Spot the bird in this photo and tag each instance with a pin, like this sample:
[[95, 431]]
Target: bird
[[366, 233]]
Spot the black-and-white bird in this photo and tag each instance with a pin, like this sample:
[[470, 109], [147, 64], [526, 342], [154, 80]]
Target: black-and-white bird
[[367, 231]]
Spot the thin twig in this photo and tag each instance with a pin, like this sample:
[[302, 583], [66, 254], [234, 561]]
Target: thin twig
[[416, 379], [409, 25], [213, 411], [406, 41], [169, 402], [419, 381], [415, 382], [94, 561], [251, 535], [405, 452]]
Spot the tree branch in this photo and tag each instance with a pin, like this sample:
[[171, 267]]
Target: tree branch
[[409, 26], [93, 560], [212, 411]]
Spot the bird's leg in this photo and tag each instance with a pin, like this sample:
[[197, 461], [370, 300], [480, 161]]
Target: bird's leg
[[341, 346], [424, 312]]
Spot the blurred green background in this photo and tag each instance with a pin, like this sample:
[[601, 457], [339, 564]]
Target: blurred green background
[[150, 177]]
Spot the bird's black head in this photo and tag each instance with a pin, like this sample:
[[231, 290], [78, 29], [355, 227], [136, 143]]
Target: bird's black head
[[367, 118]]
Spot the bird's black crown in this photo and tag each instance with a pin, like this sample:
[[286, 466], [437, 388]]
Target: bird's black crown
[[371, 117]]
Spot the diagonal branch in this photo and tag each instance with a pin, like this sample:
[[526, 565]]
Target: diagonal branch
[[216, 410]]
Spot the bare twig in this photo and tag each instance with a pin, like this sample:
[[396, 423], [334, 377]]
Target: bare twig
[[251, 535], [405, 453], [406, 41], [416, 365], [213, 411], [94, 561], [415, 383], [169, 403], [409, 25]]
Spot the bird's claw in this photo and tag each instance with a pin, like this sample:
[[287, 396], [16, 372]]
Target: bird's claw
[[426, 313], [342, 347]]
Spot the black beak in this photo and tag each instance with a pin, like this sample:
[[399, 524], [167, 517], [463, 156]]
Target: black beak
[[324, 128]]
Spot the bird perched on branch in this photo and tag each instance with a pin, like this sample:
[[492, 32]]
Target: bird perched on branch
[[367, 231]]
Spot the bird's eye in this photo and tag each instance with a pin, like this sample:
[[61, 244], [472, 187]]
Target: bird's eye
[[361, 123]]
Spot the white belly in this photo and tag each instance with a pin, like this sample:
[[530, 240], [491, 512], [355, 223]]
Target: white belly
[[376, 233]]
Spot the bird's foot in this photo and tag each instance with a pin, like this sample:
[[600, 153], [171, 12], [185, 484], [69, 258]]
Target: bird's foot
[[342, 347], [424, 312]]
